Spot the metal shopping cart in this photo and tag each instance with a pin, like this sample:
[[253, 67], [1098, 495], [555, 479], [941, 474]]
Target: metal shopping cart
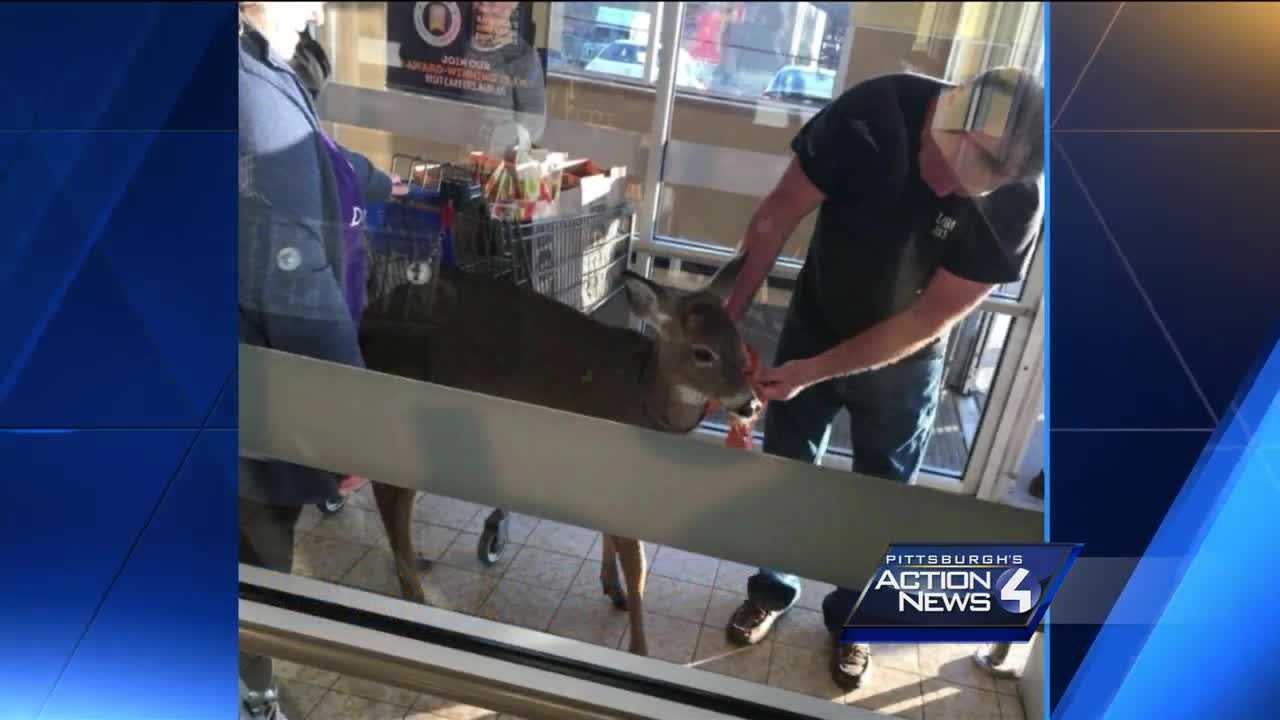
[[409, 237], [444, 222]]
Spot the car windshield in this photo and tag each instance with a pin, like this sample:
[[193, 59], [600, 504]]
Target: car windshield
[[823, 85], [803, 83], [620, 52]]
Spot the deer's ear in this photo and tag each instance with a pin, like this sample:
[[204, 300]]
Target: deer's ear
[[649, 300], [722, 284]]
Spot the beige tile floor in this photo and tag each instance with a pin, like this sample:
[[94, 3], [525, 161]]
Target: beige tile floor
[[548, 580]]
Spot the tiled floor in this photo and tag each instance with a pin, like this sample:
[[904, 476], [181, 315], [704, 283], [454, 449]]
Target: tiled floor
[[548, 580]]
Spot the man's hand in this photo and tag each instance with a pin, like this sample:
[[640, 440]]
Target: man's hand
[[398, 188], [787, 380]]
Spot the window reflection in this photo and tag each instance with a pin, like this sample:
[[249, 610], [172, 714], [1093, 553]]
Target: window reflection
[[303, 691], [749, 75]]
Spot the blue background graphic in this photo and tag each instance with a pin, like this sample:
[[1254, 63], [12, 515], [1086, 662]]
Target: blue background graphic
[[1163, 306], [117, 360]]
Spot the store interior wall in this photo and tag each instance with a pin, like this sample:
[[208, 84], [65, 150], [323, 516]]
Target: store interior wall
[[887, 37]]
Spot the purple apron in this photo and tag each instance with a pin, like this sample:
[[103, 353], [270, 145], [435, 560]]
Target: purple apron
[[353, 212]]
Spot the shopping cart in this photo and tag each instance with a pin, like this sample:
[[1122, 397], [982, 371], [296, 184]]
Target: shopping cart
[[409, 238], [443, 222]]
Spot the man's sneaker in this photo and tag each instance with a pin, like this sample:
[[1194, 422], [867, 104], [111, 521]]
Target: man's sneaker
[[851, 665], [750, 623]]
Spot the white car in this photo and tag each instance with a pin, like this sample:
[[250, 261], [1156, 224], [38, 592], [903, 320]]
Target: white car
[[797, 83], [625, 58]]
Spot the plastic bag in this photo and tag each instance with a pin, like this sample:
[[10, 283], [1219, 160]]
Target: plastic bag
[[522, 189]]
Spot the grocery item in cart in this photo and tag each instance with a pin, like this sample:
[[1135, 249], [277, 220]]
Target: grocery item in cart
[[522, 189], [587, 186]]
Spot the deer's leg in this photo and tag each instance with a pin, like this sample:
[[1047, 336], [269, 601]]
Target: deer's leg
[[395, 505], [631, 553], [609, 572]]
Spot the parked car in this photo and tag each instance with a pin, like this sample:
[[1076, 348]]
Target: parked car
[[625, 58], [599, 39], [798, 83]]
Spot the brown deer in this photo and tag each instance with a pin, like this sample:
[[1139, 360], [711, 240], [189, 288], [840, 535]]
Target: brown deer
[[492, 337]]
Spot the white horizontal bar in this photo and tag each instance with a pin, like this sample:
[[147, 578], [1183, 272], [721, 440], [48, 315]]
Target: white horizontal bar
[[784, 269], [746, 507], [495, 684], [787, 269], [457, 123], [724, 169], [714, 167], [778, 110]]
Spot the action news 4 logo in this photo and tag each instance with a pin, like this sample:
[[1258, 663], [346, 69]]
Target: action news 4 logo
[[959, 593]]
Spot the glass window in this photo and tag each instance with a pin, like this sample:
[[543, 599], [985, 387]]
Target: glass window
[[729, 50], [802, 85], [748, 75], [793, 55], [750, 51], [582, 32]]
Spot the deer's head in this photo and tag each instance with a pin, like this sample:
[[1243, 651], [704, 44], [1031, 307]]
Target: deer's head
[[699, 348]]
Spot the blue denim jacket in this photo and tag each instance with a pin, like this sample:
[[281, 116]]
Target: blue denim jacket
[[291, 247]]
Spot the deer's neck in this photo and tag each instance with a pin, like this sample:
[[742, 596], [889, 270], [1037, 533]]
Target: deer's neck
[[669, 404]]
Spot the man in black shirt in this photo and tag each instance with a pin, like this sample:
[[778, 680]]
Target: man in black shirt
[[929, 196]]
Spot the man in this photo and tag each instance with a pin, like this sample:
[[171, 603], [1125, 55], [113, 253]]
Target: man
[[929, 196], [293, 296], [518, 110]]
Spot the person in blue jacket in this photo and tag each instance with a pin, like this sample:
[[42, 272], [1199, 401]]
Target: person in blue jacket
[[302, 200]]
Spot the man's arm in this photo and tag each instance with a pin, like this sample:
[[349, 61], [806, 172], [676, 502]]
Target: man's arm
[[947, 299], [772, 223]]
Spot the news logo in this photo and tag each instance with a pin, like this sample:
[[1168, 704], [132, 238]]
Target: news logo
[[959, 593], [1015, 597]]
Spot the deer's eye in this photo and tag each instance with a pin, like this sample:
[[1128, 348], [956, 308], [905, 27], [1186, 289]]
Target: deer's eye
[[703, 355]]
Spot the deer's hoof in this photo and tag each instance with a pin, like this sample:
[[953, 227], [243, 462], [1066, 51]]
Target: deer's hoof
[[411, 588], [616, 595], [415, 595]]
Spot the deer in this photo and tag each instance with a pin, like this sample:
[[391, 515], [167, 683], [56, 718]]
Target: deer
[[493, 337]]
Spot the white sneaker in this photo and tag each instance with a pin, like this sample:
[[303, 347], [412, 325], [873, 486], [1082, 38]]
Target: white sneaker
[[263, 705]]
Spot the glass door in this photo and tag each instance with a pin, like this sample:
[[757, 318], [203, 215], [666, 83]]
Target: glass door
[[764, 69]]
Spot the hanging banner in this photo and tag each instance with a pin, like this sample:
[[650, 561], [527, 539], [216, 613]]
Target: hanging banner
[[480, 52]]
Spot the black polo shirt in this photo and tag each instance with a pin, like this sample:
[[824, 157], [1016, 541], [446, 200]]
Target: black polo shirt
[[881, 232]]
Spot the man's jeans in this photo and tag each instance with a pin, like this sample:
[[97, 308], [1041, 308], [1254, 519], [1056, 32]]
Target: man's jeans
[[891, 412]]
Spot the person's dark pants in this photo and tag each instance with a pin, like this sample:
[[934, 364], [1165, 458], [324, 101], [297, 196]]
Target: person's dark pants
[[891, 412], [266, 540]]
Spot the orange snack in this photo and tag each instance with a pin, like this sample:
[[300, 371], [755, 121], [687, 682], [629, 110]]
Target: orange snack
[[740, 432]]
